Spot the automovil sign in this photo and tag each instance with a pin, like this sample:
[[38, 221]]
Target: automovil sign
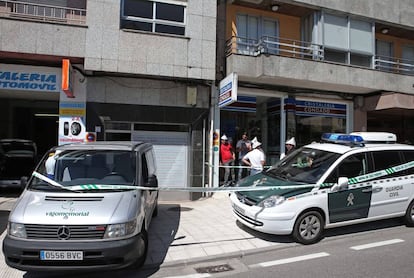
[[228, 90], [27, 78]]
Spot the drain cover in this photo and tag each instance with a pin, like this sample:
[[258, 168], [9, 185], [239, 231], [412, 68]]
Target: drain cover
[[214, 268]]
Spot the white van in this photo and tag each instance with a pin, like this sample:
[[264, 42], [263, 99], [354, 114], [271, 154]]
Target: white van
[[82, 210], [345, 179]]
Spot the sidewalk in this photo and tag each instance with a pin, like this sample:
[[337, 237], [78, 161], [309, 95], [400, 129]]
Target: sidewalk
[[194, 230], [186, 232]]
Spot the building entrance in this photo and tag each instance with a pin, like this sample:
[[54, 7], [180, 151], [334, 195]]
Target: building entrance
[[35, 120]]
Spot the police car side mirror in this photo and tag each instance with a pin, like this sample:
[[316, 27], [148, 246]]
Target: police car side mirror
[[342, 184]]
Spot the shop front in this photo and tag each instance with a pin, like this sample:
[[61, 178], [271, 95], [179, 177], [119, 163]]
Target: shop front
[[274, 117], [29, 105]]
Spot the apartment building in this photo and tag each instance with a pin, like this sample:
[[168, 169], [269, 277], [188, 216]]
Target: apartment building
[[311, 66], [76, 70]]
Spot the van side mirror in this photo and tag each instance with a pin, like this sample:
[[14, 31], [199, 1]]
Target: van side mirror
[[342, 184], [23, 182], [152, 181]]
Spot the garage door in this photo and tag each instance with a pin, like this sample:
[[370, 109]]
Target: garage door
[[171, 154]]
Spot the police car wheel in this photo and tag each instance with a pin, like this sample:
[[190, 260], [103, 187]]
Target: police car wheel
[[409, 215], [308, 227]]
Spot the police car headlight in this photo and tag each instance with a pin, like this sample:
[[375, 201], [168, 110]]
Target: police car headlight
[[120, 230], [17, 230], [272, 201]]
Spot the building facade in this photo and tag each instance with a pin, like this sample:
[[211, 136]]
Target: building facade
[[306, 67], [139, 70]]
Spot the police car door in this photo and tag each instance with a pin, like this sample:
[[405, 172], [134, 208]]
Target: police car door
[[353, 202], [390, 192]]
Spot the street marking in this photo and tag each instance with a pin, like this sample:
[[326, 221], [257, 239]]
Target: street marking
[[291, 260], [197, 275], [376, 244]]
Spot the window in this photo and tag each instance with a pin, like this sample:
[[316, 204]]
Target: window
[[348, 40], [384, 51], [407, 59], [351, 167], [408, 157], [144, 168], [167, 17], [250, 29], [386, 159]]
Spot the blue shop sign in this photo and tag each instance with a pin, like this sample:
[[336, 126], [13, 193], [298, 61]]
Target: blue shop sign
[[31, 81]]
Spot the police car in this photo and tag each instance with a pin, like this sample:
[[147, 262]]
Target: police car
[[345, 179]]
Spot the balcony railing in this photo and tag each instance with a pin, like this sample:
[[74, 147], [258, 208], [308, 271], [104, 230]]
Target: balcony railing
[[42, 12], [395, 65], [275, 46], [305, 50]]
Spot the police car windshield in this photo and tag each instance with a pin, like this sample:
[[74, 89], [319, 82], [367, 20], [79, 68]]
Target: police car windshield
[[87, 167], [303, 165]]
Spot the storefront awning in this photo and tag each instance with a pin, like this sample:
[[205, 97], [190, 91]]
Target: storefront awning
[[389, 101]]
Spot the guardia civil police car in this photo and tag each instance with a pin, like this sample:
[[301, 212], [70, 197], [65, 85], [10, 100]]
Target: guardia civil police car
[[345, 179]]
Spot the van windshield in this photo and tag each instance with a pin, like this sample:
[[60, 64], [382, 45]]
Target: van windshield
[[86, 167], [304, 165]]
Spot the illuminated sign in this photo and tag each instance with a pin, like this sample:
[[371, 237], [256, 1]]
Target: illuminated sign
[[228, 90], [67, 78]]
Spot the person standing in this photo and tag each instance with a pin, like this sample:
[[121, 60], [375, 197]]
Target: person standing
[[289, 147], [227, 157], [255, 158], [243, 146]]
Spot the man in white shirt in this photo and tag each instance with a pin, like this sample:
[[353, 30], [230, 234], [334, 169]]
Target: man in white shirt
[[255, 158]]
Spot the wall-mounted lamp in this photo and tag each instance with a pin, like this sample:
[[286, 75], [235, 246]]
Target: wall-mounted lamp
[[275, 8], [385, 30]]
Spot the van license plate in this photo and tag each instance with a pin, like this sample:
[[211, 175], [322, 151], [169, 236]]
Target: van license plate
[[61, 255]]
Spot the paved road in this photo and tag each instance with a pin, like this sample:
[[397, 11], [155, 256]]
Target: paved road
[[185, 232]]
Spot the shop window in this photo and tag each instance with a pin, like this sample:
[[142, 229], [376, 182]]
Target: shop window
[[167, 17]]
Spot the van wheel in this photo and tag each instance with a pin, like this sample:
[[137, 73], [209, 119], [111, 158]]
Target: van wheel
[[409, 215], [308, 227], [141, 260]]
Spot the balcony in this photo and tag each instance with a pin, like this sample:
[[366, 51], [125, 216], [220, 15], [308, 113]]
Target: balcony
[[286, 62], [42, 13]]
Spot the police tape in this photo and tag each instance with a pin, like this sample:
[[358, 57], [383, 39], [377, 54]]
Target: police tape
[[238, 167], [258, 184]]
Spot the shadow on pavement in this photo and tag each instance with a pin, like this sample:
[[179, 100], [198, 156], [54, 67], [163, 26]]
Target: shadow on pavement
[[10, 192], [329, 233], [4, 215], [365, 227], [161, 234], [264, 236]]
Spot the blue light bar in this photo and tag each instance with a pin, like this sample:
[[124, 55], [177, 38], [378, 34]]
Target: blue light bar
[[342, 138]]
